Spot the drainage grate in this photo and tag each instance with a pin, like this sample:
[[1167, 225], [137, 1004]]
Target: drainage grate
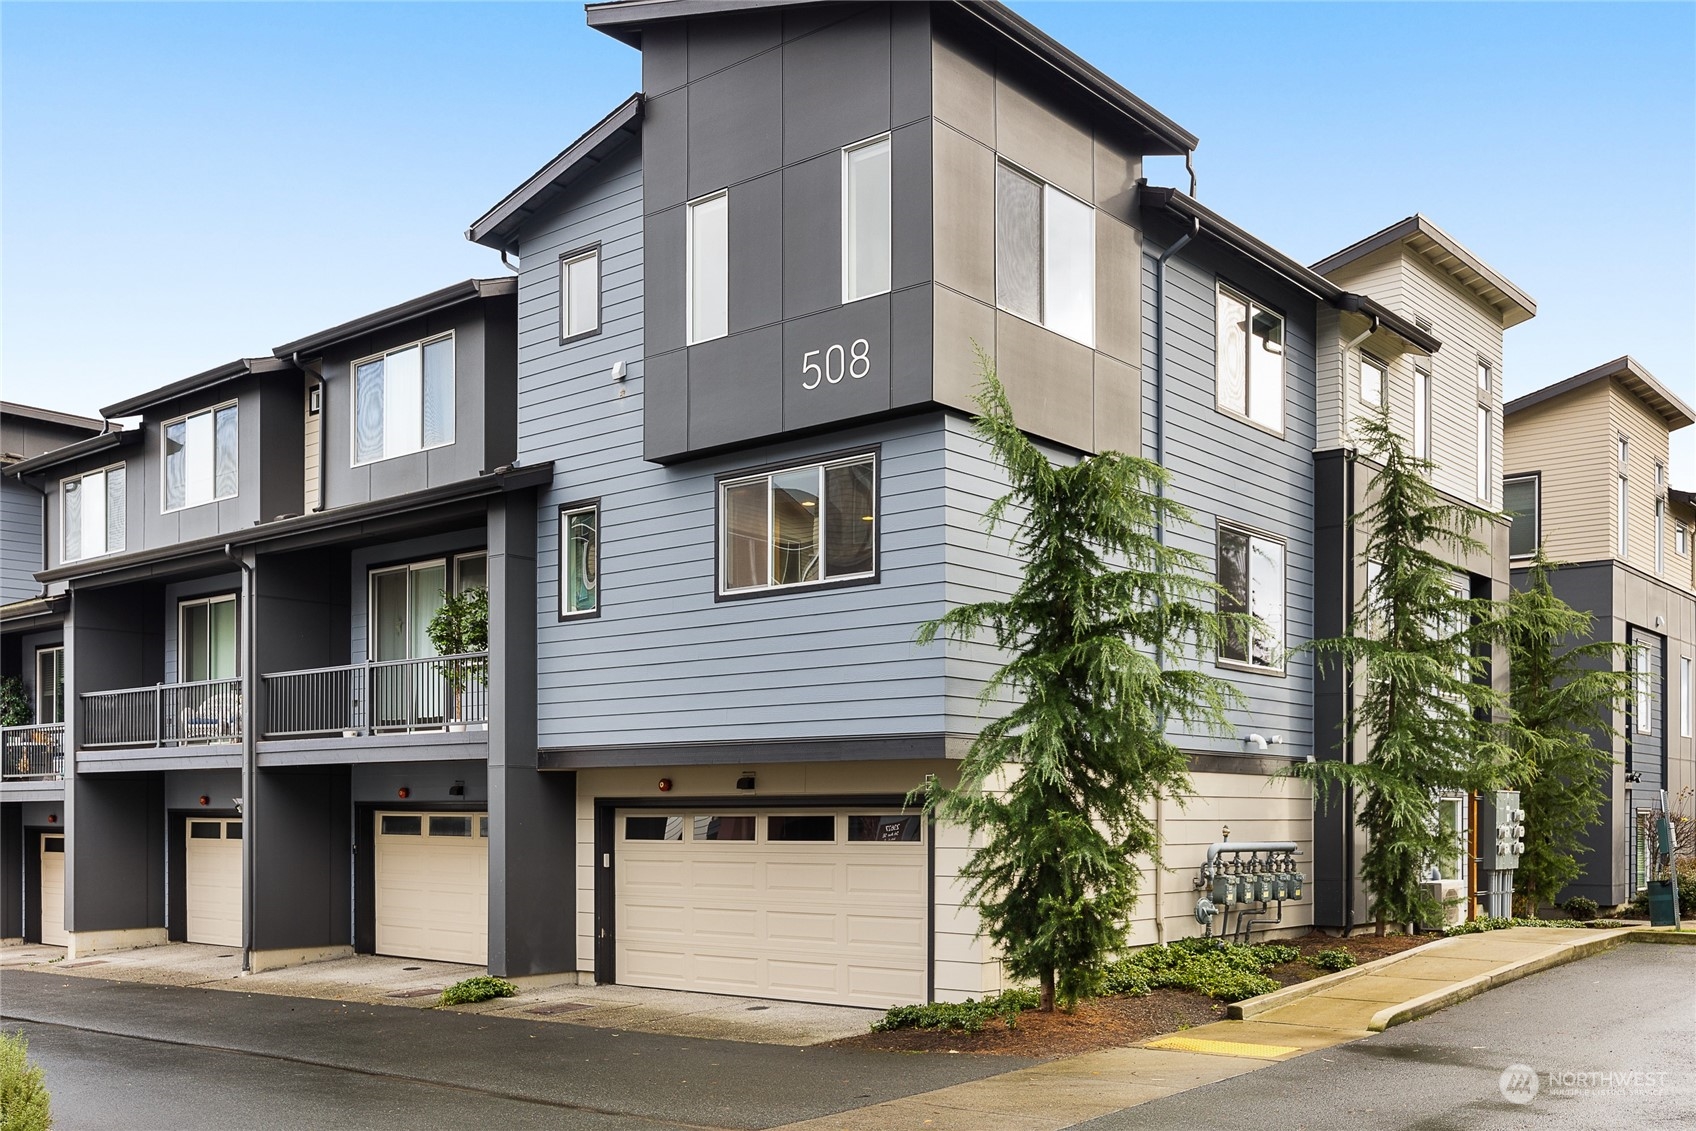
[[414, 993], [754, 1008], [409, 968], [558, 1007]]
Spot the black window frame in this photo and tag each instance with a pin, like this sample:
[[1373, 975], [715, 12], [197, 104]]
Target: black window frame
[[1243, 294], [1536, 480], [565, 259], [577, 507]]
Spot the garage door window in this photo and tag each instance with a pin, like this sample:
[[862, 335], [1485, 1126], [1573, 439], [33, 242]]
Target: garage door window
[[450, 826], [898, 829], [724, 828], [52, 844], [204, 830], [402, 826], [483, 826], [812, 826], [653, 828], [232, 831]]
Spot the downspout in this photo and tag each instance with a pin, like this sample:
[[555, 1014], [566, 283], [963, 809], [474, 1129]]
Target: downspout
[[323, 419], [249, 754], [510, 266], [1160, 525]]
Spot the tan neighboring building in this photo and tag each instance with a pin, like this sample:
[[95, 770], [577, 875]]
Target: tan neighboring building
[[1585, 475]]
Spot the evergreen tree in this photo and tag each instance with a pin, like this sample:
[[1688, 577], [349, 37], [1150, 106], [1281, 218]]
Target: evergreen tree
[[1056, 789], [1415, 646], [1562, 695]]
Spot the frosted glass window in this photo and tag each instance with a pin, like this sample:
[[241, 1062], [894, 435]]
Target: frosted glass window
[[1684, 696], [708, 314], [1371, 382], [1018, 244], [1483, 483], [404, 401], [773, 535], [1069, 266], [1624, 523], [580, 561], [580, 294], [93, 514], [1251, 572], [1422, 414], [1660, 536], [1232, 360], [1249, 360], [865, 220], [200, 458]]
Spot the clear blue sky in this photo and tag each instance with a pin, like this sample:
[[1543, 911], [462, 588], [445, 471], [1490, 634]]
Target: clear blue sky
[[182, 184]]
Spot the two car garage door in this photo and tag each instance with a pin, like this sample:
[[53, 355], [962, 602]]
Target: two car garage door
[[825, 905]]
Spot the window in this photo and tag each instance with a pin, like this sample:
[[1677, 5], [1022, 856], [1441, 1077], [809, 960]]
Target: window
[[1483, 479], [50, 684], [1451, 832], [1422, 414], [724, 828], [1660, 535], [403, 401], [450, 826], [1624, 520], [1684, 696], [865, 219], [653, 828], [1643, 687], [200, 458], [580, 293], [470, 571], [93, 508], [394, 825], [1249, 366], [895, 828], [1372, 380], [810, 826], [206, 639], [1681, 539], [1044, 255], [579, 560], [1483, 376], [772, 534], [1251, 571], [708, 269], [1520, 499]]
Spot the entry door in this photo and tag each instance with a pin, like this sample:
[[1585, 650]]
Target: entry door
[[212, 863], [53, 890], [403, 600]]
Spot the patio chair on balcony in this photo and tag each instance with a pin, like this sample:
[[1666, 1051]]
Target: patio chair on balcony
[[216, 718]]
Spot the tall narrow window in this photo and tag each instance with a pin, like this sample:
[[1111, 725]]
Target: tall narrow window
[[93, 512], [1372, 381], [1044, 255], [1622, 506], [200, 458], [1483, 484], [403, 401], [1422, 414], [1251, 573], [708, 300], [1643, 684], [50, 684], [865, 219], [1684, 697], [1660, 535], [799, 526], [579, 560], [579, 293], [1520, 501], [206, 639], [1483, 376], [1249, 360]]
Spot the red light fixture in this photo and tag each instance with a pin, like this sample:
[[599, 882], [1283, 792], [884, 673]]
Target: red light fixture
[[404, 793], [52, 818], [205, 800], [665, 785]]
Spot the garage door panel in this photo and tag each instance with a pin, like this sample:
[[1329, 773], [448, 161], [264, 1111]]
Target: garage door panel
[[651, 875], [719, 925], [882, 878], [727, 875], [665, 967], [433, 892], [725, 973], [885, 932], [886, 984], [819, 879], [802, 927], [791, 976], [655, 920]]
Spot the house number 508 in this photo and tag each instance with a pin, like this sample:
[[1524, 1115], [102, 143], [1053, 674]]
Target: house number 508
[[836, 363]]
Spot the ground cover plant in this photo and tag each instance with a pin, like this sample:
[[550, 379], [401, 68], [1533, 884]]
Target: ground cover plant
[[24, 1103], [477, 989]]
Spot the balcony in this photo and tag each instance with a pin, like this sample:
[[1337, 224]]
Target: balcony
[[437, 693], [32, 753], [166, 714]]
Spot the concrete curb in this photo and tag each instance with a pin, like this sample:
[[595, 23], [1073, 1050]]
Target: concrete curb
[[1686, 937]]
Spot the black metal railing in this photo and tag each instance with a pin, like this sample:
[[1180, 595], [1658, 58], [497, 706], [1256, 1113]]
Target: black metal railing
[[166, 714], [32, 753], [378, 697]]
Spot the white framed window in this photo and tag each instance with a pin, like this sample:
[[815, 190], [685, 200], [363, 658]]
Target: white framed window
[[579, 560], [1624, 453], [1044, 254], [50, 684], [403, 400], [1623, 506], [1448, 864], [1521, 500], [1681, 539], [1249, 360], [1643, 688], [206, 639], [1251, 573], [93, 510], [1373, 377], [1422, 414], [1483, 376], [707, 243], [866, 225], [1660, 535], [808, 524], [1684, 696], [580, 293], [200, 458], [1483, 479]]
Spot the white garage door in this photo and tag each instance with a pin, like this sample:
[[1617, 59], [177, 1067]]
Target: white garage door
[[821, 905], [53, 891], [212, 863], [433, 886]]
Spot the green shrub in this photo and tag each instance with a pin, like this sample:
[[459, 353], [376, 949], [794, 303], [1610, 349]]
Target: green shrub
[[23, 1091], [1220, 970], [1581, 908], [967, 1016], [1277, 954], [1490, 923], [481, 988], [1336, 958], [1686, 893]]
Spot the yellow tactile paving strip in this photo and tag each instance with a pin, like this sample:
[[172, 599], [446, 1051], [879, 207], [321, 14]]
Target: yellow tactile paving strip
[[1222, 1048]]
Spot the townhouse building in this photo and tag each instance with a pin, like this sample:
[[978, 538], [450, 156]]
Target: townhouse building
[[711, 455], [1586, 478]]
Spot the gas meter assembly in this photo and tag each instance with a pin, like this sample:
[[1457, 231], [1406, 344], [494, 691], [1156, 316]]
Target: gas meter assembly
[[1246, 878], [1501, 842]]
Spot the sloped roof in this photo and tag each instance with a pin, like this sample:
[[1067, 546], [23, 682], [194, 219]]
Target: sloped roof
[[1637, 380], [1425, 239]]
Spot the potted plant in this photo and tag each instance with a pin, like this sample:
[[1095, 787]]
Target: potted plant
[[15, 708], [461, 627]]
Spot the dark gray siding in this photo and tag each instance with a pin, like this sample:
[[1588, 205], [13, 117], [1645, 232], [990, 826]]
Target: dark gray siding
[[21, 545], [1224, 469], [664, 662]]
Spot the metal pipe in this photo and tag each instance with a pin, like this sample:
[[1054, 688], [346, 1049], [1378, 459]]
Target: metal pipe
[[513, 267], [1218, 847]]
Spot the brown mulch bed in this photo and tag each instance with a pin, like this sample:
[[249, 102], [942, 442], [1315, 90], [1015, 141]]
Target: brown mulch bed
[[1117, 1022]]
